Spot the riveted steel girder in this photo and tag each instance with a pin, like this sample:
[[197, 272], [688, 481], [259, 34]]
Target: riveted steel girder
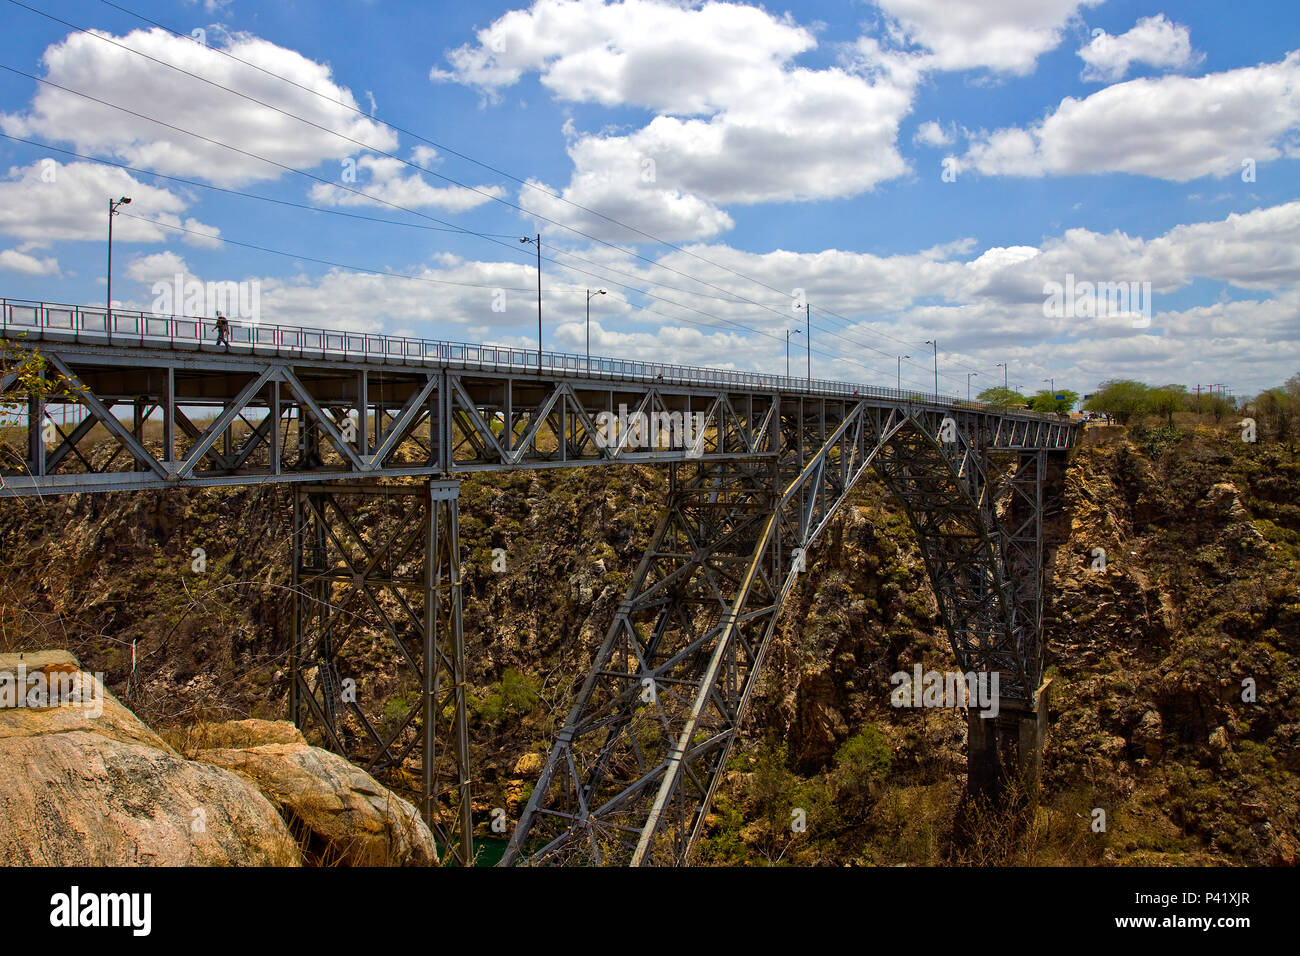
[[194, 417], [633, 771], [228, 420], [634, 768], [376, 580]]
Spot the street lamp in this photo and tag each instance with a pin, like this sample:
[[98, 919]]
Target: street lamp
[[108, 306], [807, 324], [969, 376], [589, 295], [788, 333], [935, 343], [538, 242], [899, 384], [1003, 366]]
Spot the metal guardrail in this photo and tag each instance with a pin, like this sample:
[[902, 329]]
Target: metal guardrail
[[84, 325]]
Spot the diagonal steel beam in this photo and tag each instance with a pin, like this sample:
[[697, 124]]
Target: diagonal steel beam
[[223, 421], [703, 677], [344, 448], [107, 418]]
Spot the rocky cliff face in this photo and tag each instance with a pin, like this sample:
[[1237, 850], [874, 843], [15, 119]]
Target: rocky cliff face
[[1173, 644], [1199, 592], [1178, 664]]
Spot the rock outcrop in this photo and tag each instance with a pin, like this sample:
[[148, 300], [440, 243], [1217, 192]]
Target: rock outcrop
[[83, 788], [88, 784], [339, 813]]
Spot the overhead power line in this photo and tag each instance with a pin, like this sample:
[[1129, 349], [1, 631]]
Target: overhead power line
[[327, 262], [729, 293], [487, 236], [529, 185], [247, 195]]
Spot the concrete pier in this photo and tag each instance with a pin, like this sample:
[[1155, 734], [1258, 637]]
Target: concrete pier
[[1006, 749]]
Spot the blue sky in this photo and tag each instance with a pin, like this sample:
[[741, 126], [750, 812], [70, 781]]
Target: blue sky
[[779, 149]]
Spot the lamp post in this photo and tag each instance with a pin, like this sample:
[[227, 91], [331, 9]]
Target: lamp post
[[899, 383], [538, 242], [969, 376], [807, 325], [108, 305], [589, 295], [788, 333], [1003, 366], [935, 343]]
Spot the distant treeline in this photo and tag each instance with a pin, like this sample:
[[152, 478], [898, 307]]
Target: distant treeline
[[1276, 410]]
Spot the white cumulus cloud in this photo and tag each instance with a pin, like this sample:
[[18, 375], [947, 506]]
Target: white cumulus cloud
[[932, 134], [48, 201], [1155, 41], [15, 260], [1005, 37], [1172, 127], [735, 120], [113, 73], [384, 183]]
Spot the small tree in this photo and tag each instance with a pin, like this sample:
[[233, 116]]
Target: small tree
[[30, 380], [772, 791], [1166, 400], [1047, 401], [1002, 396], [861, 762], [28, 369], [1279, 416], [1220, 405], [1120, 398]]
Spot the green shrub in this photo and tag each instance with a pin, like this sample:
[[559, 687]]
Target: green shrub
[[1155, 441], [861, 763], [514, 696]]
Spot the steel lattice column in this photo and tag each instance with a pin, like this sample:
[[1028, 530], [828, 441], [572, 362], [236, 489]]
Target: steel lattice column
[[595, 793], [1021, 521], [1009, 747], [633, 772], [944, 490], [381, 561], [979, 518]]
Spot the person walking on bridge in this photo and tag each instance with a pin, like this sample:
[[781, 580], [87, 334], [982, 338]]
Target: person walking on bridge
[[223, 330]]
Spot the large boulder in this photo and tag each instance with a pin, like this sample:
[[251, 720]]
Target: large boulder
[[341, 815], [234, 735], [86, 783], [89, 707]]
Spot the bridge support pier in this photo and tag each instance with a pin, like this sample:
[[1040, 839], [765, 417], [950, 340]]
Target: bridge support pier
[[1004, 753], [634, 769], [376, 573]]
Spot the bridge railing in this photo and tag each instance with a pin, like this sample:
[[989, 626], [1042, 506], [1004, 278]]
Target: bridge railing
[[85, 324]]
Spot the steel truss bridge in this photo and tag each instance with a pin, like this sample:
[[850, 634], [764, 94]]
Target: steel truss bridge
[[375, 434]]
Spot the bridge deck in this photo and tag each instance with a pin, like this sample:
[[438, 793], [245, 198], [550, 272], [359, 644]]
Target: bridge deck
[[285, 403]]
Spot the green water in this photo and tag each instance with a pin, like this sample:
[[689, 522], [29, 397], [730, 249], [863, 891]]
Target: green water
[[488, 851]]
